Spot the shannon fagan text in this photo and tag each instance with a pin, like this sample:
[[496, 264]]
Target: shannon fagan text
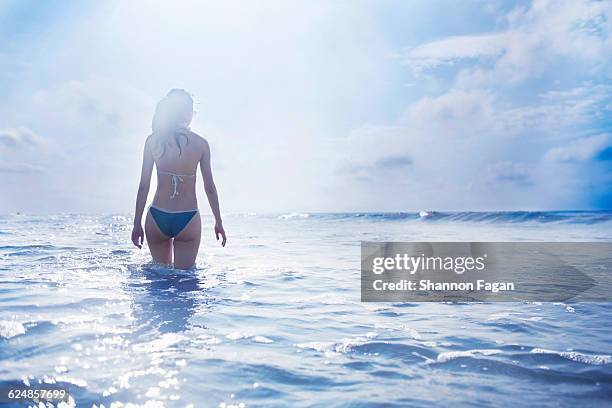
[[427, 285]]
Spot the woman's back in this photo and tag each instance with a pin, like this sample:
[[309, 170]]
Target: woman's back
[[176, 173]]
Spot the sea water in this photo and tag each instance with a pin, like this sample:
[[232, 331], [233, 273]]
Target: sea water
[[275, 318]]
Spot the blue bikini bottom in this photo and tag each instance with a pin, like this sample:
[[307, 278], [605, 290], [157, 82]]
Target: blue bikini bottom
[[171, 223]]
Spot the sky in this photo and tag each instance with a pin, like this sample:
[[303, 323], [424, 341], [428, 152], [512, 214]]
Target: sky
[[313, 105]]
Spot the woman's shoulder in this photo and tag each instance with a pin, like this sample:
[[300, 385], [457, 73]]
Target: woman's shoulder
[[199, 140], [148, 141]]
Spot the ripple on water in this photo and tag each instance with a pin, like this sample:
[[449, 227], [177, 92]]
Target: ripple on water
[[27, 250]]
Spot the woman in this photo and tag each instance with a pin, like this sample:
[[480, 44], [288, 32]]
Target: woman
[[173, 222]]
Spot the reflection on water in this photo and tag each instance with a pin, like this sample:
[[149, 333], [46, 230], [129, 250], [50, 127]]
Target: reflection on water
[[164, 299], [275, 318]]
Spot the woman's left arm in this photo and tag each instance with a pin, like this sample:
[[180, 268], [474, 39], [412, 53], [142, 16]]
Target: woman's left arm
[[143, 192]]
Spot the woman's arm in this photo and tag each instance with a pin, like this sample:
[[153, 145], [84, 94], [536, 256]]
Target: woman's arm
[[211, 192], [143, 192]]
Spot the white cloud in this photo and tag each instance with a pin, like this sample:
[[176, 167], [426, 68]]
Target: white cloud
[[558, 113], [534, 40], [472, 149], [455, 113], [452, 49], [509, 172], [84, 108], [19, 138], [580, 150], [20, 168]]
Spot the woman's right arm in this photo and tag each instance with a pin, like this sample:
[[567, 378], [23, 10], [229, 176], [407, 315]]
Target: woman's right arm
[[211, 192], [143, 192]]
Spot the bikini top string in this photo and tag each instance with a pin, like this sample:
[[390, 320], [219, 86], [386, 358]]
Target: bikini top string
[[176, 178]]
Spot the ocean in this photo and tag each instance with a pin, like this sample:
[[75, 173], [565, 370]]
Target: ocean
[[275, 318]]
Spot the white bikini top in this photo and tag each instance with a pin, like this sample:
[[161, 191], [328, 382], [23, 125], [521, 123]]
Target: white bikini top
[[176, 178]]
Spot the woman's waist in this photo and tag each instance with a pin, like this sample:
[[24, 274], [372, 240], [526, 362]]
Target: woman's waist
[[183, 202]]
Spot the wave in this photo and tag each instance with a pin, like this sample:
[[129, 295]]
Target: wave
[[27, 247], [451, 355], [293, 215], [342, 347], [594, 359], [584, 358], [430, 216], [563, 217], [34, 248]]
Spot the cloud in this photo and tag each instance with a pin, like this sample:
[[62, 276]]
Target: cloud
[[19, 138], [584, 104], [453, 49], [20, 168], [509, 172], [473, 148], [394, 162], [534, 40], [468, 113], [595, 147], [100, 105], [456, 112], [383, 167]]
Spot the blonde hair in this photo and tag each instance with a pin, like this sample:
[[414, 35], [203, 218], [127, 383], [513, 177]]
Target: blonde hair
[[171, 121]]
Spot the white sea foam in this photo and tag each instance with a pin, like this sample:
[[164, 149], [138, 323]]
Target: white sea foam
[[320, 346], [451, 355], [595, 359], [344, 346], [10, 329], [293, 215], [262, 339], [237, 336], [64, 379], [166, 340], [410, 331]]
